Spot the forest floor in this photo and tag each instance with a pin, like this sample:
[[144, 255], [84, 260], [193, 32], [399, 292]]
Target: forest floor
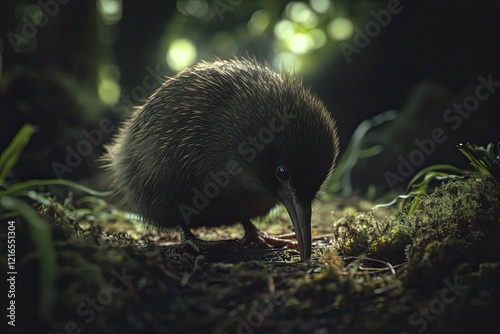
[[371, 271]]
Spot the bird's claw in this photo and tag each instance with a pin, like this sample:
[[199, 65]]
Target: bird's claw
[[255, 236], [218, 248]]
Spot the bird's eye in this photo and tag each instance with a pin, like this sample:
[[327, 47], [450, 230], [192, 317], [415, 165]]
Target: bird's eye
[[283, 174]]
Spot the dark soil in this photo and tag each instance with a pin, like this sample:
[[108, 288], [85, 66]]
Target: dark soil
[[372, 271]]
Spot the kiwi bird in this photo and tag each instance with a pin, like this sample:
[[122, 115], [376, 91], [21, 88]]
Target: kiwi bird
[[223, 142]]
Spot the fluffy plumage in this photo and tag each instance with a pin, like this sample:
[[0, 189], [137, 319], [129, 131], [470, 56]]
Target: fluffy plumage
[[234, 118]]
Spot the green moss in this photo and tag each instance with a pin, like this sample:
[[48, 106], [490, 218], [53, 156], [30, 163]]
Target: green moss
[[466, 211], [384, 238]]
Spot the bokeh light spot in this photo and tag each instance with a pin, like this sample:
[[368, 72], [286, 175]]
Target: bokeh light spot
[[298, 12], [111, 10], [259, 22], [109, 71], [197, 8], [318, 37], [300, 43], [109, 91], [320, 6], [284, 29], [181, 54], [340, 28]]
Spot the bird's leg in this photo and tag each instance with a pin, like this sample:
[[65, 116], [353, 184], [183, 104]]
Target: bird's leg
[[254, 235], [219, 247]]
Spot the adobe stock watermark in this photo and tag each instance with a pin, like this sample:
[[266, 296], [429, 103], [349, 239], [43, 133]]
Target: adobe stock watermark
[[248, 149], [89, 308], [221, 6], [265, 308], [28, 27], [453, 116], [203, 8], [372, 29], [93, 138], [436, 307]]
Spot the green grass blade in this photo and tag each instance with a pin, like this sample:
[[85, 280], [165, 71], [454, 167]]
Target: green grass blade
[[41, 233], [475, 155], [437, 167], [22, 187], [11, 154]]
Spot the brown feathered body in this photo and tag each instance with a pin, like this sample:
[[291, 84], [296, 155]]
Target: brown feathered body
[[205, 147]]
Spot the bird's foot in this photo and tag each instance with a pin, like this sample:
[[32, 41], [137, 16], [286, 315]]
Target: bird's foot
[[252, 235], [281, 240], [192, 245], [253, 241]]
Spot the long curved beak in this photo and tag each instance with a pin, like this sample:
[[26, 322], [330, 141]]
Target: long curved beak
[[300, 214]]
